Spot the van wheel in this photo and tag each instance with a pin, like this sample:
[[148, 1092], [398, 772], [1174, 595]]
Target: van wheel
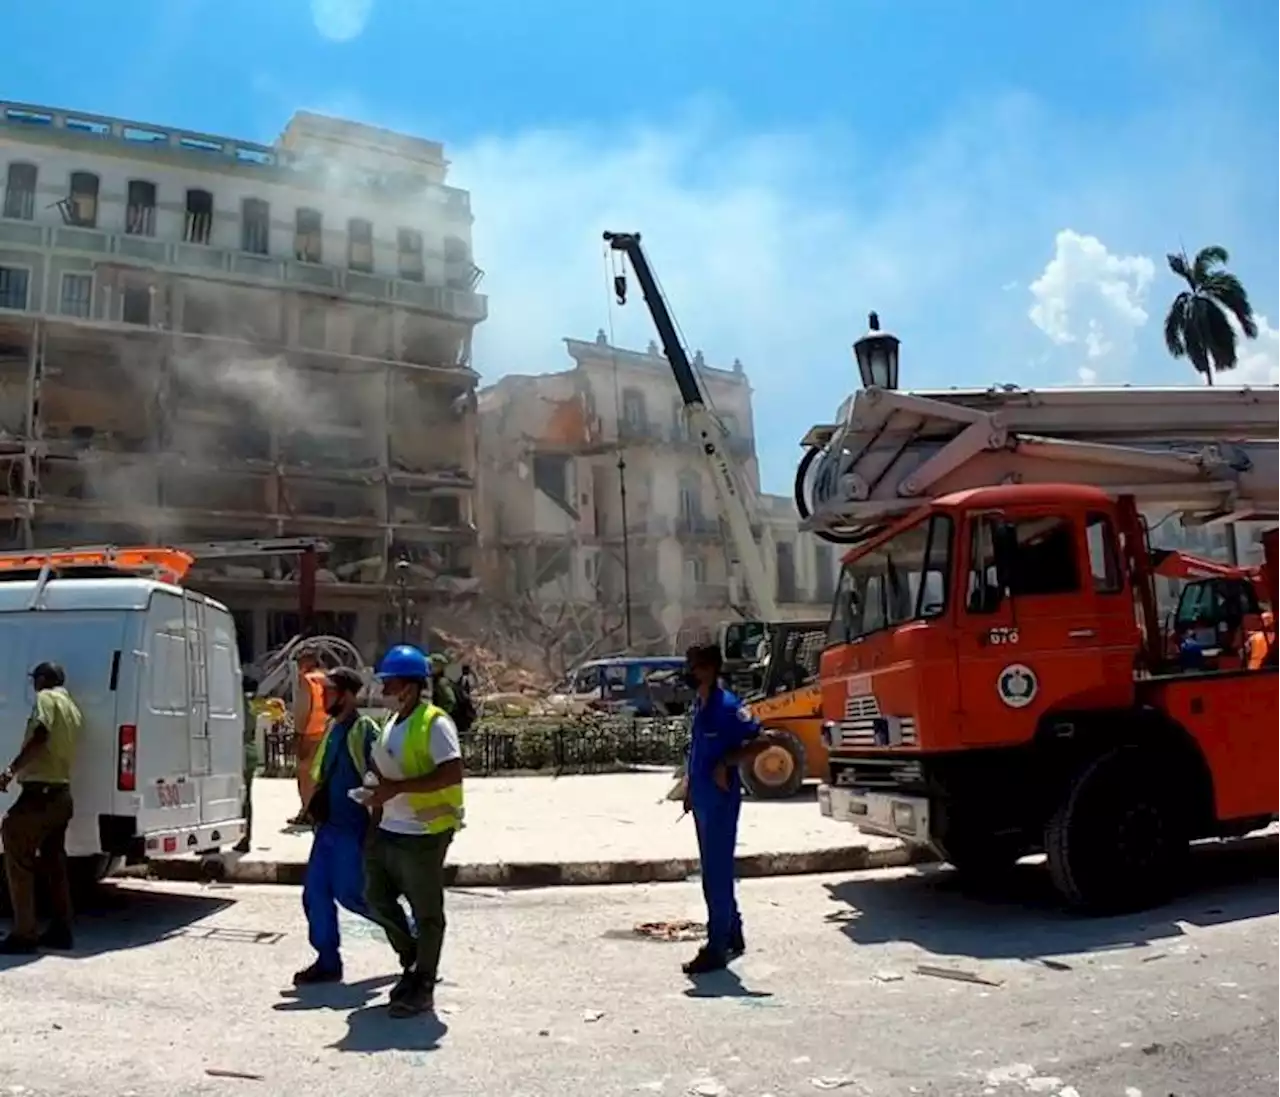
[[778, 772], [1118, 842], [86, 873]]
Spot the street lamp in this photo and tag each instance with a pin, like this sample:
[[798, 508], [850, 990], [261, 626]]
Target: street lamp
[[877, 356]]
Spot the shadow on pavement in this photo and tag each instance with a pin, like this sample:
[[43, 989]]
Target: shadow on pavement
[[722, 984], [332, 995], [114, 918], [372, 1029], [1023, 917]]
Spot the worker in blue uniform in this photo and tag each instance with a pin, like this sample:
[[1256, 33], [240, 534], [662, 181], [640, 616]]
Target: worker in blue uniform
[[724, 736], [335, 869]]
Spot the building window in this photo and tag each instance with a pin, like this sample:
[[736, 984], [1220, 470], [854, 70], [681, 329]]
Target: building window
[[824, 587], [634, 412], [140, 210], [135, 305], [409, 250], [77, 295], [13, 287], [690, 498], [199, 223], [255, 227], [360, 245], [308, 242], [311, 325], [785, 564], [82, 204], [20, 192]]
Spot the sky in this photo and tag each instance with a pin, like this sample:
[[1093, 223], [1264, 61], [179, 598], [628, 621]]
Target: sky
[[1000, 179]]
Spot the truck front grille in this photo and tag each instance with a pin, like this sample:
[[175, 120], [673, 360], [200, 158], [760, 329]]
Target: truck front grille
[[858, 727]]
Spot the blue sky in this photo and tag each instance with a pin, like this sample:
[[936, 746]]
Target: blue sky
[[1000, 179]]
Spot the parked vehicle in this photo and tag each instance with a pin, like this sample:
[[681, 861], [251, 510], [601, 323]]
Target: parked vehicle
[[155, 671], [613, 684]]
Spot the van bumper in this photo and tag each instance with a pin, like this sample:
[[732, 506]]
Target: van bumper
[[880, 813], [204, 838]]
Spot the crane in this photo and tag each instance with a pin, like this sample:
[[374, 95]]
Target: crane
[[705, 428]]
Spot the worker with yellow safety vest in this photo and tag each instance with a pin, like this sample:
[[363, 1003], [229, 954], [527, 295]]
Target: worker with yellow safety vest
[[335, 869], [417, 805]]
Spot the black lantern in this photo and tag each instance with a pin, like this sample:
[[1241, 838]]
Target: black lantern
[[877, 355]]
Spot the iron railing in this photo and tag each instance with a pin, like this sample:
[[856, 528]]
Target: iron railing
[[543, 744]]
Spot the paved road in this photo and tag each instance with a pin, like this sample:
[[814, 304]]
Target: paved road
[[551, 994], [597, 817]]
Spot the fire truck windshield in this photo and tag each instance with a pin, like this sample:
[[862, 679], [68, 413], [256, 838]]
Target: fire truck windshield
[[904, 579]]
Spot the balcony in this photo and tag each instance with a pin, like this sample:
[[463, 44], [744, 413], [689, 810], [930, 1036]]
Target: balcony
[[453, 304], [696, 525]]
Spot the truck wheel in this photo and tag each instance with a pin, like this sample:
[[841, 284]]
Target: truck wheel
[[777, 773], [1118, 843]]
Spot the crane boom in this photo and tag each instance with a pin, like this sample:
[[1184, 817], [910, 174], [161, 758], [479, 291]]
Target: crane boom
[[1210, 453], [704, 427]]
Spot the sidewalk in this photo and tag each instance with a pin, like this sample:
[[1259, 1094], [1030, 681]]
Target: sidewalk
[[599, 829]]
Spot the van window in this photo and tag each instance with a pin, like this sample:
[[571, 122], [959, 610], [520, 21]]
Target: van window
[[223, 681], [167, 661], [1103, 564], [587, 680]]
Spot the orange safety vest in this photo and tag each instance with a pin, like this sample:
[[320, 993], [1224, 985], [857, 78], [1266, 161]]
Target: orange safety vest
[[317, 720]]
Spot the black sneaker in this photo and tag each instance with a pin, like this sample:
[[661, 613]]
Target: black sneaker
[[737, 946], [706, 962], [58, 939], [317, 974], [404, 984], [18, 946], [418, 998]]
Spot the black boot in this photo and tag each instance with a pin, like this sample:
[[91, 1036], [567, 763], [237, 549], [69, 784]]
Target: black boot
[[707, 961], [317, 974], [57, 938]]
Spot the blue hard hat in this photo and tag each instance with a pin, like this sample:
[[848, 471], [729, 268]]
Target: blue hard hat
[[404, 661]]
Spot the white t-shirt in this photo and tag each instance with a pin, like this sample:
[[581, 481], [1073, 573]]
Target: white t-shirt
[[397, 815]]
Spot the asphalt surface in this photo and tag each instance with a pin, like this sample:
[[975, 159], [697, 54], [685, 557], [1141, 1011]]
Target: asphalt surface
[[551, 993]]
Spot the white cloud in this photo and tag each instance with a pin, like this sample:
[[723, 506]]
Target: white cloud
[[1258, 361], [1087, 296]]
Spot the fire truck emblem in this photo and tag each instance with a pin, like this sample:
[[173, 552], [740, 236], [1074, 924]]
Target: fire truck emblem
[[1017, 685]]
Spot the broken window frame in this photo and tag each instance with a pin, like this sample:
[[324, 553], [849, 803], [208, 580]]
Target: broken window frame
[[308, 235], [140, 208], [255, 226], [81, 207], [410, 251], [21, 180], [135, 292], [198, 224], [360, 245]]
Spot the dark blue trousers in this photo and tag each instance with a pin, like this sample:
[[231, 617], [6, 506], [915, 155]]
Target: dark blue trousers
[[335, 875], [716, 819]]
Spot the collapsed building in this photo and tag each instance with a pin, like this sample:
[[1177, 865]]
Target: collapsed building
[[210, 340]]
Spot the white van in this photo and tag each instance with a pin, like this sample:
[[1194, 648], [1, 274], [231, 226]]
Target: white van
[[156, 673]]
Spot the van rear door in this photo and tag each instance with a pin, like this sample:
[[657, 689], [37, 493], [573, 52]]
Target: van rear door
[[90, 646]]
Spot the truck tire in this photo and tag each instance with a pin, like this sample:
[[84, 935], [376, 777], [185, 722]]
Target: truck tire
[[777, 773], [1118, 843]]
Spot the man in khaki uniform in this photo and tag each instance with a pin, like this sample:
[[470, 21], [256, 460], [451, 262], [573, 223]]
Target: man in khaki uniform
[[35, 829]]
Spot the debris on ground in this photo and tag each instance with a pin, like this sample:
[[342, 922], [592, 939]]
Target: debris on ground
[[888, 977], [832, 1083], [590, 1016], [215, 1072], [708, 1087], [671, 931], [959, 975]]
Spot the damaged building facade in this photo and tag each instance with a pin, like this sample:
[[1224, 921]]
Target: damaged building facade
[[552, 514], [204, 340]]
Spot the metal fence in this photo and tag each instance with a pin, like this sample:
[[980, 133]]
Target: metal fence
[[534, 744]]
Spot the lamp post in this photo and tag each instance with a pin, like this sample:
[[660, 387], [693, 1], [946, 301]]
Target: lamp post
[[877, 356], [403, 602]]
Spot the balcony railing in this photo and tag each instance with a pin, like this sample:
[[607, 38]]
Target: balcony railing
[[205, 259], [697, 525]]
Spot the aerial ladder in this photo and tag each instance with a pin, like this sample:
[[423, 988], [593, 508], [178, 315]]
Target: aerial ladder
[[772, 672], [998, 683]]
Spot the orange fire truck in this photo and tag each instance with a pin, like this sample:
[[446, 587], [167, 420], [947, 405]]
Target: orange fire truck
[[997, 681]]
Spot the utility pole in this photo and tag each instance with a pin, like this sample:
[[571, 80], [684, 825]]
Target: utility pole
[[626, 549], [404, 604]]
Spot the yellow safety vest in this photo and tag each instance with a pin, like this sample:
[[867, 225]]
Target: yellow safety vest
[[355, 746], [440, 810]]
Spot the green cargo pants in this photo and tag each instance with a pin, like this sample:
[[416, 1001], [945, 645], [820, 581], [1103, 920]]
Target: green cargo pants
[[411, 865]]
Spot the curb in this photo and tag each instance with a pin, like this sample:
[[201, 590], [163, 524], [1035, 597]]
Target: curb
[[247, 870]]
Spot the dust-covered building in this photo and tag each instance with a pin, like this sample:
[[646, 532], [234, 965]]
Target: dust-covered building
[[204, 339]]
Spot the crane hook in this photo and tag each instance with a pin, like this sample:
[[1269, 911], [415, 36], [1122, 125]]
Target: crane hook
[[620, 288]]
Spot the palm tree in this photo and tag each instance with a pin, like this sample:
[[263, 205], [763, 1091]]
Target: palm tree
[[1199, 322]]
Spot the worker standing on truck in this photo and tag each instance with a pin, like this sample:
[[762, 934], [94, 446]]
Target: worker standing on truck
[[724, 736], [335, 869], [417, 761], [35, 827], [309, 722]]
